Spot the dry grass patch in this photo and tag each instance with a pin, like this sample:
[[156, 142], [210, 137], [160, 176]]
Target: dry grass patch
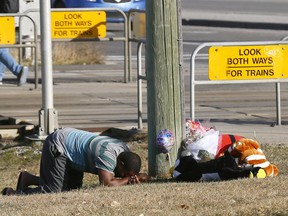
[[160, 197], [241, 197], [77, 53], [70, 53]]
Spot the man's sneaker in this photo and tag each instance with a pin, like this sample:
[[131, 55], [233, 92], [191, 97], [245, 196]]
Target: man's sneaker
[[22, 76]]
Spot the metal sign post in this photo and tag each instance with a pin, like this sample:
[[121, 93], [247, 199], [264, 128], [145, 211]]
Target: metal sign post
[[48, 118]]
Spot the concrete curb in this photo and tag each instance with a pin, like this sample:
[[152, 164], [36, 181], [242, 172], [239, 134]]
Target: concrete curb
[[235, 19], [235, 24]]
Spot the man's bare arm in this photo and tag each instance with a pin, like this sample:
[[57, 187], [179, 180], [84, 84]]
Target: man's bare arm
[[107, 179]]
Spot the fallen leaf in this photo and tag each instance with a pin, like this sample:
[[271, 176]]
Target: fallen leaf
[[115, 203]]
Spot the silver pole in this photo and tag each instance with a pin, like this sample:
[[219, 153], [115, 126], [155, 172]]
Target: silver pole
[[139, 82], [278, 103], [48, 116]]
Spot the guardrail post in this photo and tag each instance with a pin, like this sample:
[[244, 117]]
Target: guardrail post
[[278, 103], [139, 82]]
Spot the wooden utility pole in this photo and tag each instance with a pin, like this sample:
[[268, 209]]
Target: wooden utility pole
[[164, 79]]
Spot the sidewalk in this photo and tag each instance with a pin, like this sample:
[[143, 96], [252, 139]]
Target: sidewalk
[[96, 106], [264, 133], [235, 20]]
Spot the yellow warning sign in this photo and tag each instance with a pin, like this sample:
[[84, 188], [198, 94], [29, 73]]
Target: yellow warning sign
[[84, 24], [7, 34], [248, 62]]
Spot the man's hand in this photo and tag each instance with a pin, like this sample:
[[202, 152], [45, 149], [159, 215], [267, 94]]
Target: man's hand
[[141, 177], [107, 179], [133, 180]]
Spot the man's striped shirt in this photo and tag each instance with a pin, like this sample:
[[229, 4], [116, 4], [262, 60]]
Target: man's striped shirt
[[88, 152]]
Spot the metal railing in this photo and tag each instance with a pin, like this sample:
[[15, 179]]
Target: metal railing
[[194, 82], [140, 76], [124, 38], [131, 40], [106, 39]]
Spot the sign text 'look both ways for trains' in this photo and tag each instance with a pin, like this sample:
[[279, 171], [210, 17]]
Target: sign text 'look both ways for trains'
[[248, 62], [84, 24]]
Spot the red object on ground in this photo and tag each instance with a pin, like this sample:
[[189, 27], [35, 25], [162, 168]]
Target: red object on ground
[[225, 141]]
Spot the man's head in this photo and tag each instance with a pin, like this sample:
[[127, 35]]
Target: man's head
[[128, 164]]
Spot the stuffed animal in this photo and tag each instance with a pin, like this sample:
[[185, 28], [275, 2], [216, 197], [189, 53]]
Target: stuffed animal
[[222, 168], [248, 153]]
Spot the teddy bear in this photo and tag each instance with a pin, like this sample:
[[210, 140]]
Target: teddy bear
[[247, 153]]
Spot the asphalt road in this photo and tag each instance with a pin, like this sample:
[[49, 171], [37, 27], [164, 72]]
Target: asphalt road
[[94, 96], [275, 7]]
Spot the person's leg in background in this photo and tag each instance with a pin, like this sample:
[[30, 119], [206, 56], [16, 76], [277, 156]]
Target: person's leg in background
[[8, 61], [2, 71]]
